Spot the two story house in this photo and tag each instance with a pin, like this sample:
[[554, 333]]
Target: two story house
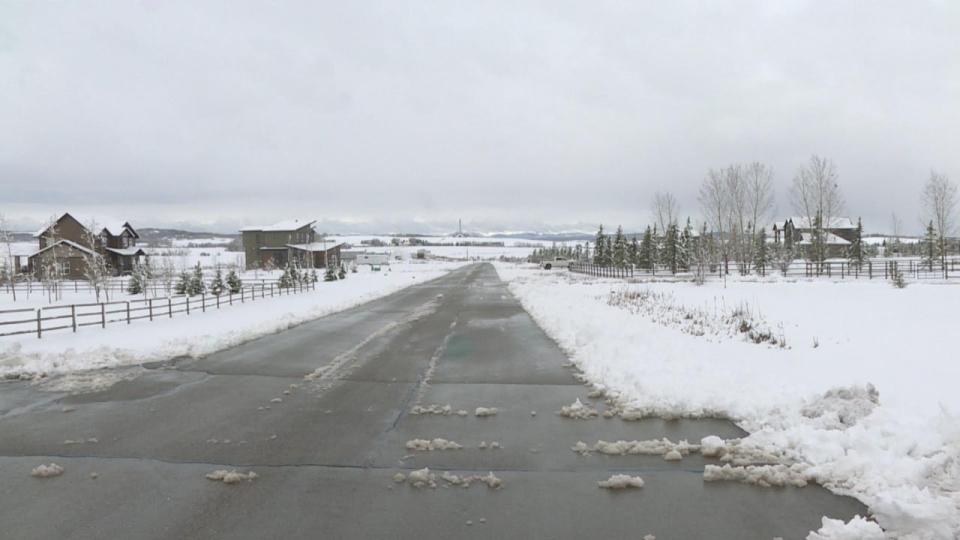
[[67, 245], [275, 246]]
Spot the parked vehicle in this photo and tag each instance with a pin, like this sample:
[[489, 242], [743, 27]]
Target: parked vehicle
[[556, 262]]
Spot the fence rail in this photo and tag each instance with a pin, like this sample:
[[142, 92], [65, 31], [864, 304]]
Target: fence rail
[[43, 320], [871, 269], [117, 285]]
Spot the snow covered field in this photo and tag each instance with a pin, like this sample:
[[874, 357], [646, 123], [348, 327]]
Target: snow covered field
[[202, 334], [679, 349]]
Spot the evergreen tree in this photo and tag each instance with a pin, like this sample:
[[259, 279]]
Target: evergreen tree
[[183, 284], [586, 252], [633, 253], [684, 247], [929, 246], [196, 286], [285, 281], [760, 255], [618, 252], [216, 284], [644, 255], [818, 243], [600, 249], [136, 284], [855, 253], [671, 249], [233, 282], [330, 274], [342, 274]]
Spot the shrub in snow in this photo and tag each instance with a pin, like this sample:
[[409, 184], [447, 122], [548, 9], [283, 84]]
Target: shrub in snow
[[855, 529], [231, 477], [424, 445], [578, 410], [485, 411], [621, 481], [47, 471]]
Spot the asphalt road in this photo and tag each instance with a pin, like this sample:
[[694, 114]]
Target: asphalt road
[[327, 452]]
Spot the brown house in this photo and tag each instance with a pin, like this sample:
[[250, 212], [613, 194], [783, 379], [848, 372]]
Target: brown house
[[275, 246], [67, 246]]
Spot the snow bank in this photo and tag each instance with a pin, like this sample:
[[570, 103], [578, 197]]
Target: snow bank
[[203, 333], [869, 411], [856, 529]]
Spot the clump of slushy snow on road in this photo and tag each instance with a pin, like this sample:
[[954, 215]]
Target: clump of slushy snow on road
[[231, 477], [652, 447], [578, 411], [428, 445], [46, 471], [485, 411], [857, 528], [621, 481]]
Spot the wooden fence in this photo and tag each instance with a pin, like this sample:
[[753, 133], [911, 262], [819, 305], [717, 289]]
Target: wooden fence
[[871, 269], [43, 320]]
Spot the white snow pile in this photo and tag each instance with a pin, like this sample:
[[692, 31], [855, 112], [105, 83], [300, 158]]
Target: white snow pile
[[870, 412], [442, 410], [490, 479], [577, 410], [421, 478], [653, 447], [46, 471], [621, 481], [485, 411], [857, 528], [231, 477], [427, 445], [203, 333]]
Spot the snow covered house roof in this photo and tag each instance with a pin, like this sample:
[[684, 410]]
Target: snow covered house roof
[[288, 225], [831, 240], [116, 228], [70, 243], [127, 252], [802, 223], [315, 246], [113, 226]]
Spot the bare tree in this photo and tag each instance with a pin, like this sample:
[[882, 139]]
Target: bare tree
[[939, 204], [816, 195], [52, 272], [897, 226], [758, 179], [665, 209], [9, 268], [94, 263], [737, 217], [714, 203]]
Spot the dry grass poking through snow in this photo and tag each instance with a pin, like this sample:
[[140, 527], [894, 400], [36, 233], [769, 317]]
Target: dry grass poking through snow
[[47, 471], [231, 477]]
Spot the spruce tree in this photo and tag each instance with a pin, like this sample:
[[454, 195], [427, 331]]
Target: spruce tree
[[314, 278], [760, 255], [342, 274], [183, 284], [855, 252], [929, 246], [286, 279], [684, 247], [644, 258], [329, 275], [600, 248], [670, 249], [216, 284], [197, 286], [619, 249], [633, 253], [233, 282], [136, 284]]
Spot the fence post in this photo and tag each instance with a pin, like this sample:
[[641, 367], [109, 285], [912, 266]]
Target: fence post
[[170, 306], [73, 317], [241, 295], [39, 324], [150, 309], [203, 302], [103, 315], [128, 312]]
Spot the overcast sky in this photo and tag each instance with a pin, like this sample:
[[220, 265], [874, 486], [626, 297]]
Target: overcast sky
[[381, 116]]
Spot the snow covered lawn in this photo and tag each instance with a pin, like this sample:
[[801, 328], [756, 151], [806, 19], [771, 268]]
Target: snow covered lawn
[[202, 334], [680, 349]]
